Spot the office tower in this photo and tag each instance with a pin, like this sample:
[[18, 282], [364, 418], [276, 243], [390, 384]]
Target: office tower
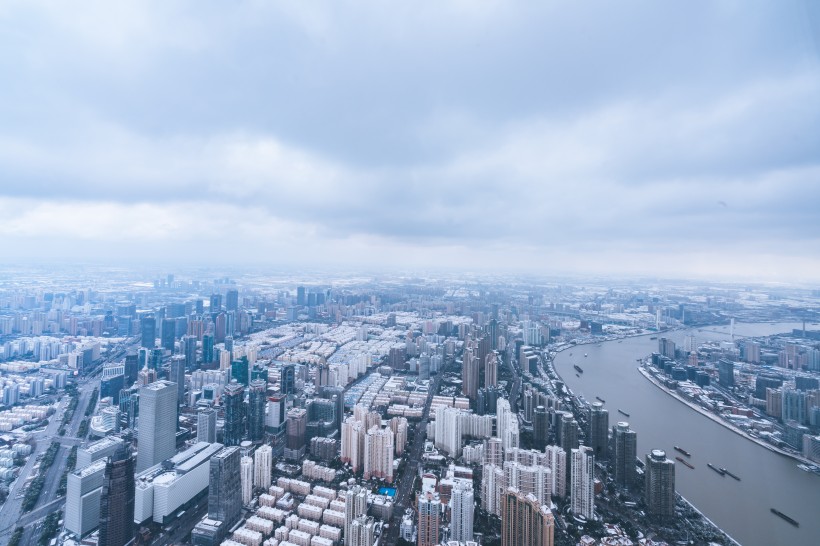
[[207, 348], [659, 480], [189, 350], [462, 507], [582, 492], [626, 444], [206, 425], [177, 376], [726, 373], [246, 479], [322, 376], [300, 296], [224, 497], [232, 300], [598, 433], [568, 432], [233, 400], [557, 463], [168, 332], [362, 532], [148, 331], [378, 453], [288, 379], [117, 500], [157, 423], [262, 466], [296, 427], [216, 303], [540, 427], [256, 410], [525, 522], [491, 370], [429, 520], [355, 505], [220, 327], [83, 493], [469, 370], [275, 419], [336, 395], [131, 369]]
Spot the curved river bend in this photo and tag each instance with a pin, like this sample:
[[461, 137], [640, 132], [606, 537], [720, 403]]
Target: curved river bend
[[741, 508]]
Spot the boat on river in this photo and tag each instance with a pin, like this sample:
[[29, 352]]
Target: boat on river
[[622, 412], [578, 368], [601, 400], [730, 474], [685, 462], [682, 451], [777, 512], [716, 469]]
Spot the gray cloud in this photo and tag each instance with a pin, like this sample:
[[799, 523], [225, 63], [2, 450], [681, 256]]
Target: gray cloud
[[461, 131]]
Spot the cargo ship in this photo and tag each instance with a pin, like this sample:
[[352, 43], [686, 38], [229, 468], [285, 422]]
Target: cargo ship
[[682, 451], [716, 469], [601, 400], [777, 512], [577, 368], [622, 412], [685, 462]]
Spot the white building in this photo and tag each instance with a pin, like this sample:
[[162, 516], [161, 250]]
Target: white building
[[263, 463], [582, 492], [246, 479], [82, 507], [378, 454], [462, 506]]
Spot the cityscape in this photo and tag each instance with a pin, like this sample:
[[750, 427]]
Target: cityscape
[[451, 273], [420, 410]]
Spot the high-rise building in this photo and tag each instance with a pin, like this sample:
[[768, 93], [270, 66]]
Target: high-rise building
[[626, 445], [224, 497], [507, 425], [355, 505], [288, 379], [726, 373], [216, 303], [525, 522], [660, 485], [582, 492], [568, 432], [491, 370], [189, 350], [429, 520], [168, 332], [177, 376], [157, 423], [462, 508], [540, 427], [362, 532], [246, 479], [148, 331], [117, 500], [233, 400], [557, 463], [206, 425], [301, 298], [378, 453], [83, 493], [207, 348], [262, 466], [353, 432], [469, 370], [256, 414], [232, 300], [296, 427], [598, 433]]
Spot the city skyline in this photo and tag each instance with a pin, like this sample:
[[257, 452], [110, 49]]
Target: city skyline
[[680, 141]]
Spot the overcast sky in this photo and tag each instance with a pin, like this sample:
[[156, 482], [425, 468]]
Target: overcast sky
[[556, 137]]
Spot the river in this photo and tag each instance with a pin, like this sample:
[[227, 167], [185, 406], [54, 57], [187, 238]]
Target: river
[[740, 508]]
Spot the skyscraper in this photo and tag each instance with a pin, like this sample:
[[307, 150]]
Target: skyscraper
[[148, 327], [216, 303], [117, 500], [582, 492], [206, 425], [598, 434], [224, 497], [232, 300], [296, 427], [469, 370], [177, 376], [246, 479], [378, 453], [207, 348], [569, 439], [462, 507], [288, 379], [168, 332], [491, 370], [525, 522], [355, 505], [362, 532], [189, 348], [233, 400], [659, 480], [157, 423], [256, 414], [262, 466], [540, 427], [429, 520], [626, 445]]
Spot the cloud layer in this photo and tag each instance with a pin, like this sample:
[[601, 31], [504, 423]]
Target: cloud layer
[[629, 138]]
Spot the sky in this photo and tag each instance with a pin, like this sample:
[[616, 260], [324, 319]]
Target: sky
[[605, 138]]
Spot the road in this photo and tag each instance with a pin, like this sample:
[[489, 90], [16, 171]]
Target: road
[[11, 512], [406, 478]]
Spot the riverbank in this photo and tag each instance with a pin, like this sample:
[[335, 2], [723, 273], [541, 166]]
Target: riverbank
[[709, 521], [706, 413]]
